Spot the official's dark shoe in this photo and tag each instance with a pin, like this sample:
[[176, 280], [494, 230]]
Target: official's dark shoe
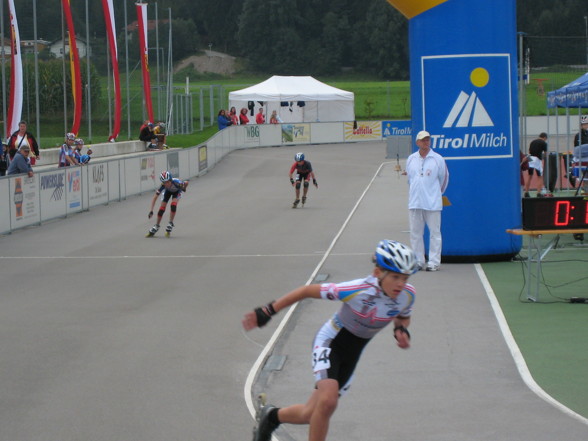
[[265, 427]]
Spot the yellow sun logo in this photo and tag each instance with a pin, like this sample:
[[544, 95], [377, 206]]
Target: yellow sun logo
[[479, 77]]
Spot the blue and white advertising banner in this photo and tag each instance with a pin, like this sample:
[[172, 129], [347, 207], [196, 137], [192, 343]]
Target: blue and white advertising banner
[[396, 128], [463, 89], [467, 105], [74, 189]]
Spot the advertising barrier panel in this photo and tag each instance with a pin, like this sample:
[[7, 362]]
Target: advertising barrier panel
[[24, 204], [53, 194]]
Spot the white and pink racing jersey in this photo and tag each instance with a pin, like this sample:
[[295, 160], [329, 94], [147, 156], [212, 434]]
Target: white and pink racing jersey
[[366, 309]]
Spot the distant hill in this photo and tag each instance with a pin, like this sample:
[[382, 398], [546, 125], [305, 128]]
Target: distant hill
[[209, 62]]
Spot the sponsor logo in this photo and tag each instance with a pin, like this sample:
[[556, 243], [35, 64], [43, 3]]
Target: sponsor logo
[[18, 197], [467, 105], [54, 182]]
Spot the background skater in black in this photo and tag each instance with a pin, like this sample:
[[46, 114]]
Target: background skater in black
[[304, 173]]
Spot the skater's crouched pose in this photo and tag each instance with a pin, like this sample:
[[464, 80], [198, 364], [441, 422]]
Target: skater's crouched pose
[[369, 304], [304, 173], [171, 188]]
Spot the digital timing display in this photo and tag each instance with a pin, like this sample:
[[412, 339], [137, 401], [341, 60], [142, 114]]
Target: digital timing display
[[555, 213]]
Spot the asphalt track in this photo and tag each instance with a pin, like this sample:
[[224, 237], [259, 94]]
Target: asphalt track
[[107, 335]]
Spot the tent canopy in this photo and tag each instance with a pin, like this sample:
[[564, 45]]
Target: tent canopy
[[574, 94], [296, 99]]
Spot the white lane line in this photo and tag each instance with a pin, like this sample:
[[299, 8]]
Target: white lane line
[[189, 256], [516, 352], [248, 389]]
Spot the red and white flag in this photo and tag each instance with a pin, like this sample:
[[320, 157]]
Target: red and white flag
[[74, 64], [15, 106], [110, 32], [143, 47]]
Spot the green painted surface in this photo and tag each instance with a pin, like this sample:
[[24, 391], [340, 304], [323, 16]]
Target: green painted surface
[[551, 333]]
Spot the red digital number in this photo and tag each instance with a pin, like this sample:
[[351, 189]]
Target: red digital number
[[562, 213], [586, 212]]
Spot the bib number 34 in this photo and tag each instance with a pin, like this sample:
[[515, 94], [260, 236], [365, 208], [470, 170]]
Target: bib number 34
[[320, 359]]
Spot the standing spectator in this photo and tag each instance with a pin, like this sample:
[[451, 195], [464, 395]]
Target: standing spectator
[[580, 159], [4, 159], [537, 150], [21, 138], [233, 116], [243, 118], [66, 157], [582, 136], [275, 118], [223, 120], [524, 164], [368, 305], [20, 162], [260, 118], [427, 179]]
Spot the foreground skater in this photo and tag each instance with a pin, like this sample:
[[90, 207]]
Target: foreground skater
[[304, 173], [171, 188], [369, 304]]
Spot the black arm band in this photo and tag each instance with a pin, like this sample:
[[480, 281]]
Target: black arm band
[[401, 329], [262, 317]]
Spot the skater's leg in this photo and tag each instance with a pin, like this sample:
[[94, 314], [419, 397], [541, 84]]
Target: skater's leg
[[162, 208], [317, 411], [305, 191], [173, 210]]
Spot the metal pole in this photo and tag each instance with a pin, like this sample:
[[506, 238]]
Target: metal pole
[[521, 91], [127, 67], [586, 33], [168, 101], [36, 51], [88, 77]]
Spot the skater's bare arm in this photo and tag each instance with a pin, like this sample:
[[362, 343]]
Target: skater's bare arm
[[153, 204], [260, 316]]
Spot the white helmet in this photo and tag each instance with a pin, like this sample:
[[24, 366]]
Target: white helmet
[[395, 256]]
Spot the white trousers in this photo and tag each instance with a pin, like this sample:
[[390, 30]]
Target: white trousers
[[418, 219]]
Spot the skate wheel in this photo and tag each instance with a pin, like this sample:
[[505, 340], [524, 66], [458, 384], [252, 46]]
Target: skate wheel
[[167, 233], [149, 235]]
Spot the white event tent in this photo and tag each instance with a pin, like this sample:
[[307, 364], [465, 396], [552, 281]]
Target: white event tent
[[296, 99]]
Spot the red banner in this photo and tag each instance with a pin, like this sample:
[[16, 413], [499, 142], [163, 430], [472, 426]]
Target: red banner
[[110, 31], [143, 47], [15, 106], [74, 64]]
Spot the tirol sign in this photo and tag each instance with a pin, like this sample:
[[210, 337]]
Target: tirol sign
[[463, 78], [467, 105]]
